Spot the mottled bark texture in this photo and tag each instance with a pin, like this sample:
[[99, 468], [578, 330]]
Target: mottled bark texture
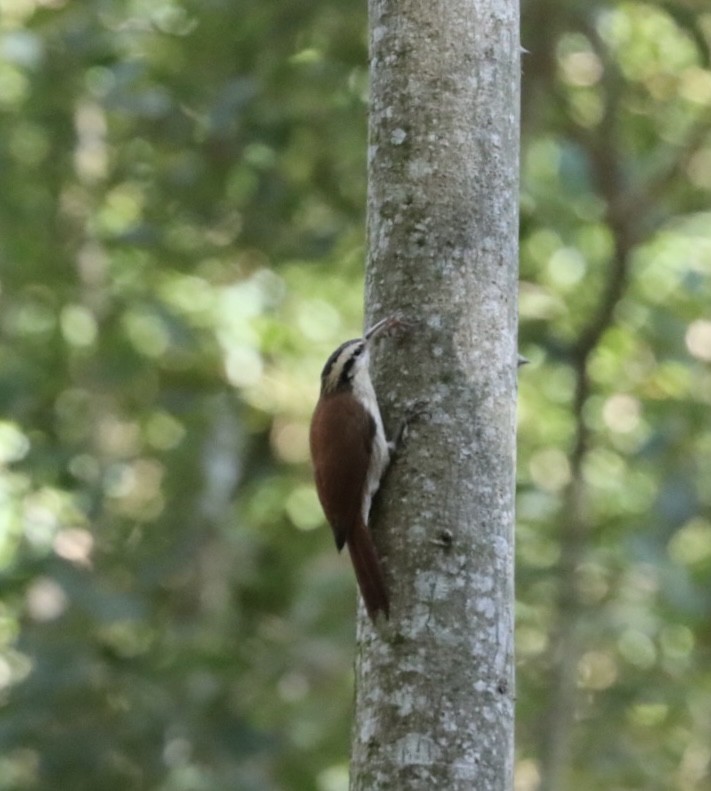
[[434, 686]]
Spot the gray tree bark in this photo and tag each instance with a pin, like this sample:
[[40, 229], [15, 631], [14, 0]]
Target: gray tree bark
[[434, 684]]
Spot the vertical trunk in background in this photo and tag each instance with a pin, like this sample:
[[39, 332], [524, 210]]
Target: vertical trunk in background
[[434, 687]]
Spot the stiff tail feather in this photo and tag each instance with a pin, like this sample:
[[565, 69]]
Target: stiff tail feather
[[369, 572]]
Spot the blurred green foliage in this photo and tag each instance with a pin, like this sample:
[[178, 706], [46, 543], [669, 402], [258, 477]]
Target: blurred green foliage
[[181, 227]]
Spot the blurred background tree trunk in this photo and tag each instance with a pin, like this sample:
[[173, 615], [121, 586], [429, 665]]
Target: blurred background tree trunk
[[434, 701]]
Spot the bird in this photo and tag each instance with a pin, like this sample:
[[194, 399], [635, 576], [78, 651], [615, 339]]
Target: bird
[[350, 453]]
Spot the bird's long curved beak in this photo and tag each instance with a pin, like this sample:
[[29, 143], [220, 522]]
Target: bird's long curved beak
[[380, 327]]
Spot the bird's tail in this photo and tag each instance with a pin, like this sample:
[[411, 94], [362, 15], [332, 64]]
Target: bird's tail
[[368, 570]]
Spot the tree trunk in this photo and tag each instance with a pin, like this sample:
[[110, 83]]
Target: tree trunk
[[434, 685]]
